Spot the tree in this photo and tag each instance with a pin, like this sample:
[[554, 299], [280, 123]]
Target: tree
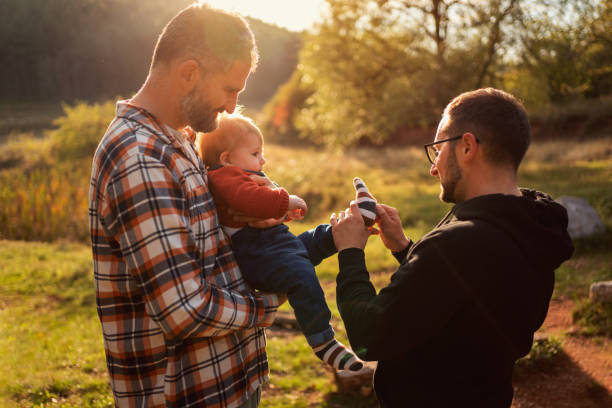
[[278, 52], [573, 59], [98, 49], [378, 66]]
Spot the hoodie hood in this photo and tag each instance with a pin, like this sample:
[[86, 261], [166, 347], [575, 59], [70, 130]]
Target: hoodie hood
[[536, 222]]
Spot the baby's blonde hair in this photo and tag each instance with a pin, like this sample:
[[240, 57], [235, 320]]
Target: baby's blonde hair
[[231, 130]]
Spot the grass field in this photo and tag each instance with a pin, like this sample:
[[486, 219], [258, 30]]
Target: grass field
[[51, 352]]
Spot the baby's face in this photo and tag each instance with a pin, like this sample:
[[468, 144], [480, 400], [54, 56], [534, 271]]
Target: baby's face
[[248, 154]]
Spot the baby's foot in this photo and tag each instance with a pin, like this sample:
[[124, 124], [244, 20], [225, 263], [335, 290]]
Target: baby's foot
[[365, 201], [338, 356]]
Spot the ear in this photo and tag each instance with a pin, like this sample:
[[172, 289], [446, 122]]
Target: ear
[[224, 158], [469, 147], [188, 73]]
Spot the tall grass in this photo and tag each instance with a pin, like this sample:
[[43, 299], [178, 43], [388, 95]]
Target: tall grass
[[44, 204], [44, 182]]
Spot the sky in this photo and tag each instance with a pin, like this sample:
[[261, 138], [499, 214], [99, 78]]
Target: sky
[[295, 15]]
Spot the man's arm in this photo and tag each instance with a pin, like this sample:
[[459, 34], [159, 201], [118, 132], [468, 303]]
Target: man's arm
[[419, 300], [391, 232], [143, 210]]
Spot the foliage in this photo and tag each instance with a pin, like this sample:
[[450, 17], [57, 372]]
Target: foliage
[[93, 49], [542, 350], [577, 119], [374, 70], [573, 60], [378, 66], [45, 57], [278, 124], [80, 129], [44, 182], [278, 54], [595, 317], [45, 203]]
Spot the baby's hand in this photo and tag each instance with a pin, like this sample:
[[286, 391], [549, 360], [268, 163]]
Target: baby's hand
[[297, 208]]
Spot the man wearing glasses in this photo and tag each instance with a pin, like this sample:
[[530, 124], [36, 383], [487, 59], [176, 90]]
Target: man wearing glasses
[[467, 297]]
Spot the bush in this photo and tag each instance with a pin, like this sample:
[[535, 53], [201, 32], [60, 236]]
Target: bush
[[542, 350], [278, 116], [26, 152], [80, 129], [595, 317], [44, 183]]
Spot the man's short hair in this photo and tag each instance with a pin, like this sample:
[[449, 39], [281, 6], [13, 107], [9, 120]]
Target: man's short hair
[[497, 118], [215, 38], [232, 130]]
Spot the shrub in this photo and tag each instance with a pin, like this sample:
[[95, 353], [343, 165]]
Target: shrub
[[25, 151], [46, 203], [44, 183], [595, 317], [542, 350], [80, 129], [278, 116]]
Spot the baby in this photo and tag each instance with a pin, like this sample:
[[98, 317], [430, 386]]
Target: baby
[[271, 259]]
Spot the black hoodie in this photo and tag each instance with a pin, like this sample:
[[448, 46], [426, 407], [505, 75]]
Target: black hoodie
[[463, 305]]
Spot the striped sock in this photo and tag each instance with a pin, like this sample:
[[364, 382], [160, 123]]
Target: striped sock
[[338, 356], [365, 201]]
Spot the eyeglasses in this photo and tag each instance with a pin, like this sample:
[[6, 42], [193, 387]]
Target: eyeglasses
[[432, 153]]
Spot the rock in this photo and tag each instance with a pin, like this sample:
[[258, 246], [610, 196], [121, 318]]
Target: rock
[[601, 291], [356, 381], [583, 219]]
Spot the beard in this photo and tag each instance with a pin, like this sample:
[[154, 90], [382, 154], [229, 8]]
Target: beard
[[200, 116], [449, 186]]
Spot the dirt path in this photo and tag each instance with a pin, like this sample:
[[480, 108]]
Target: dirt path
[[581, 377], [578, 377], [595, 357]]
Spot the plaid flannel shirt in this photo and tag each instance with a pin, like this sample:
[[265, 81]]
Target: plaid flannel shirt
[[181, 328]]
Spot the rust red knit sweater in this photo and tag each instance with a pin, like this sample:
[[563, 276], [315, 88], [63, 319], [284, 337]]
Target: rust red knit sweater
[[231, 187]]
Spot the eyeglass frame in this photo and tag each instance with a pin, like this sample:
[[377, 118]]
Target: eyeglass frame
[[450, 139]]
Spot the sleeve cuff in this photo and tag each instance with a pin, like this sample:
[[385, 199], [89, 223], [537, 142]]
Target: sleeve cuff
[[284, 203], [401, 255], [271, 303], [351, 255]]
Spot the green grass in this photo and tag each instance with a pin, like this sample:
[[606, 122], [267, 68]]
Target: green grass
[[51, 343], [51, 351]]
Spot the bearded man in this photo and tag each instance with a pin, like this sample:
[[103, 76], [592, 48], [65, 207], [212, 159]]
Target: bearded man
[[181, 327], [468, 296]]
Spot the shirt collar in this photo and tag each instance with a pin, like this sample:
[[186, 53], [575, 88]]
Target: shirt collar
[[126, 109], [182, 139]]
